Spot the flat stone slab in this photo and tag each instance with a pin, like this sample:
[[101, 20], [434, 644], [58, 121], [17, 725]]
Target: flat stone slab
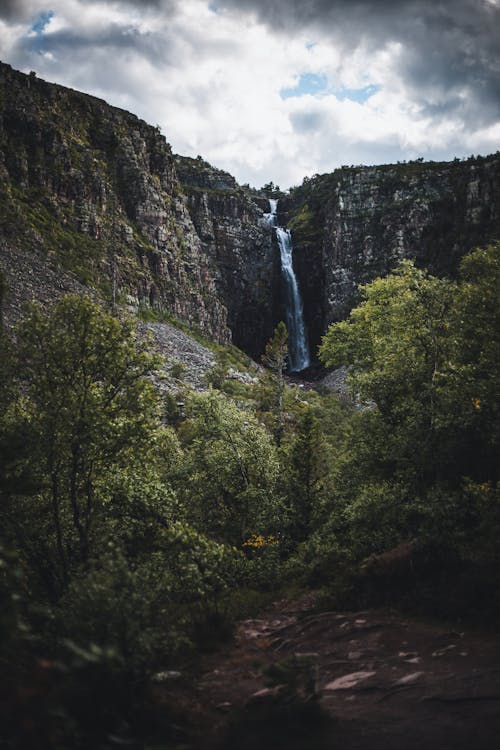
[[348, 681], [409, 679]]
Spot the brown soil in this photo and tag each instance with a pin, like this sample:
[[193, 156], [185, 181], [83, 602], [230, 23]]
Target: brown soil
[[373, 680]]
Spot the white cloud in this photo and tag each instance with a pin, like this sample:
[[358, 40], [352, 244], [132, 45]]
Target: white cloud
[[212, 80]]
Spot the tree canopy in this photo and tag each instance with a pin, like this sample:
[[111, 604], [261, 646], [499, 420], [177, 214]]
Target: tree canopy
[[91, 409]]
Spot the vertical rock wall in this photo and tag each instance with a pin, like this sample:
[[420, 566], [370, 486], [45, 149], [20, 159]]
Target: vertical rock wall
[[239, 243], [91, 198], [357, 223], [91, 192]]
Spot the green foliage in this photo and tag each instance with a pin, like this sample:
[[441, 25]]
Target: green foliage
[[271, 190], [472, 378], [18, 475], [117, 605], [91, 410], [101, 527], [172, 408], [147, 603], [395, 341], [276, 350], [322, 560], [216, 377], [262, 568], [12, 593], [138, 538], [230, 470], [303, 455], [424, 352], [178, 370], [273, 384], [304, 221]]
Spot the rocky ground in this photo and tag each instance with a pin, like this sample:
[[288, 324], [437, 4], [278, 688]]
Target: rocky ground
[[30, 277], [186, 362], [374, 680], [178, 348]]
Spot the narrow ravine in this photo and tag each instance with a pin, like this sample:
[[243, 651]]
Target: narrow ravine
[[298, 346]]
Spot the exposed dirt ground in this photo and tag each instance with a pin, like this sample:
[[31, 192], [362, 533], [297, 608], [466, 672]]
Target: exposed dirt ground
[[373, 680]]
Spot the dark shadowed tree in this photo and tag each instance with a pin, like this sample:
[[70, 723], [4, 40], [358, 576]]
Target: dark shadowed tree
[[275, 360], [304, 473]]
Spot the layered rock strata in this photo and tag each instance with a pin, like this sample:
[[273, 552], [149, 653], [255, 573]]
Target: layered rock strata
[[357, 223], [91, 192], [240, 246], [92, 199]]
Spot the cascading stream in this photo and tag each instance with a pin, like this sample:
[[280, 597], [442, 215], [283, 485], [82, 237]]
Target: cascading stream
[[298, 347]]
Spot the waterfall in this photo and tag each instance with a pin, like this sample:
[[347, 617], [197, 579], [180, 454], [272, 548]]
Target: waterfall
[[271, 217], [298, 347]]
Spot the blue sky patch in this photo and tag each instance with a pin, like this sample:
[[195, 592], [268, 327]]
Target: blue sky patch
[[317, 83], [43, 19], [308, 83], [357, 95]]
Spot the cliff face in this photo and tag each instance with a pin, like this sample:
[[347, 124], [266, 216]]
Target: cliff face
[[358, 222], [89, 196], [241, 248], [92, 198]]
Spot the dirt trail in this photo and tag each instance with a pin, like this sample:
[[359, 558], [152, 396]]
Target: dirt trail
[[370, 680]]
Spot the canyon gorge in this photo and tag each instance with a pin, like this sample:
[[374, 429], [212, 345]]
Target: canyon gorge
[[92, 198]]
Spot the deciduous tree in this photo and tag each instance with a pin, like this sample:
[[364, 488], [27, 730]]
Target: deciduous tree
[[91, 405]]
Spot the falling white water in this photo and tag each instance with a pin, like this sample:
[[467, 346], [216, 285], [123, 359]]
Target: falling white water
[[271, 217], [298, 347]]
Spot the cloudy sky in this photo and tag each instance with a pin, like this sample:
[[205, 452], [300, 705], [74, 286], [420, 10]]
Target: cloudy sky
[[278, 89]]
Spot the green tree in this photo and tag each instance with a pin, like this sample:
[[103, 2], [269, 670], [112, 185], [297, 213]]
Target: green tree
[[230, 470], [217, 374], [472, 380], [424, 355], [271, 190], [19, 474], [93, 409], [304, 473], [273, 386], [397, 344]]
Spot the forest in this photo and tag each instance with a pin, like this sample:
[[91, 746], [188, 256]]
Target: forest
[[138, 524]]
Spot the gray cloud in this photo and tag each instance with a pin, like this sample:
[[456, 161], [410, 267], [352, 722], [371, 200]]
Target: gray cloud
[[307, 122], [449, 62], [20, 10], [448, 65], [14, 10], [164, 5], [450, 58], [109, 39]]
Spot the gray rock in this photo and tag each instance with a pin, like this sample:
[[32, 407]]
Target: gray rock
[[348, 681]]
